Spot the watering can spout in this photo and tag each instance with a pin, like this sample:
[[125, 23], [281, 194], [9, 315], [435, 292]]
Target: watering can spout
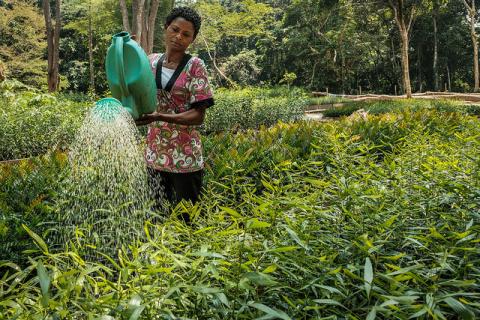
[[107, 109], [129, 76]]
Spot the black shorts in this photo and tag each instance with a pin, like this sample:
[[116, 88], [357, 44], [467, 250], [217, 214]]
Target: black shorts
[[177, 186]]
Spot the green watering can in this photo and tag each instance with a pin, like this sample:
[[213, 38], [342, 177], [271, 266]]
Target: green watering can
[[129, 76]]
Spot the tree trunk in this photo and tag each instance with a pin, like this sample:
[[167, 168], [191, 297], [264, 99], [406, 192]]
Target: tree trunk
[[53, 38], [419, 63], [472, 14], [56, 50], [48, 26], [405, 64], [144, 16], [90, 49], [124, 11], [435, 46], [474, 36], [404, 28], [152, 17], [137, 21]]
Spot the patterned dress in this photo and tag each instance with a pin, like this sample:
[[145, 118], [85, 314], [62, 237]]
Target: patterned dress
[[174, 147]]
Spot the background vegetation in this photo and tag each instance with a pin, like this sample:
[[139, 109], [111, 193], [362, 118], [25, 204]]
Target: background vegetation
[[346, 46]]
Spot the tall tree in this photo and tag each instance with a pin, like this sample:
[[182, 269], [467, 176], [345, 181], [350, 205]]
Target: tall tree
[[22, 43], [404, 14], [90, 47], [53, 43], [472, 17], [144, 16], [435, 11]]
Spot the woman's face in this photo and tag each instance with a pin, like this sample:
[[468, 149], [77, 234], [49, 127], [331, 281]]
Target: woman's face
[[179, 34]]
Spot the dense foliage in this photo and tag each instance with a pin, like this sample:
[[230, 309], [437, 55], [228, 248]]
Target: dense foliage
[[254, 107], [33, 122], [344, 45], [363, 217]]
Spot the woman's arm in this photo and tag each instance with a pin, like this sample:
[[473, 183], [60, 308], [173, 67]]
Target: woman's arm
[[191, 117]]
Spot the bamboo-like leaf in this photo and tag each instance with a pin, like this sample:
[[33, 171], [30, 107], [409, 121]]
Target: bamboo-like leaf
[[232, 212], [329, 301], [372, 314], [275, 314], [223, 299], [38, 241], [284, 249], [459, 308], [368, 276], [44, 280], [254, 223], [137, 313], [260, 278], [296, 238]]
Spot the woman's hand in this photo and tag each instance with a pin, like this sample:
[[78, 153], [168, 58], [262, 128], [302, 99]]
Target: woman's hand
[[191, 117], [147, 118]]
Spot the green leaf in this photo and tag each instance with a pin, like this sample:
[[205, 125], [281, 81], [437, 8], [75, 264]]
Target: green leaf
[[459, 308], [329, 301], [38, 241], [330, 289], [296, 238], [368, 276], [274, 314], [223, 298], [44, 280], [257, 224], [372, 314], [283, 249], [261, 279], [232, 212], [136, 313], [403, 299]]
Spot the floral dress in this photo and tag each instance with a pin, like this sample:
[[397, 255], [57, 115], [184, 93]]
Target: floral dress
[[174, 147]]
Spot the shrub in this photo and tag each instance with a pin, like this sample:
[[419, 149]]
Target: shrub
[[253, 107], [32, 122]]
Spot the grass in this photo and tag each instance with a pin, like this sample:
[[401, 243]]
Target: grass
[[350, 219]]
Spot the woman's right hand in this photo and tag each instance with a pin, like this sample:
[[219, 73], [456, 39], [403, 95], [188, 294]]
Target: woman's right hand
[[146, 119]]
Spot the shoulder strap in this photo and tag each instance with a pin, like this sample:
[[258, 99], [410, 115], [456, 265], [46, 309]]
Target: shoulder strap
[[177, 72], [158, 73]]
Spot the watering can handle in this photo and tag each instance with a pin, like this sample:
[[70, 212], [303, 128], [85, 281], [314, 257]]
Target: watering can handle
[[120, 67]]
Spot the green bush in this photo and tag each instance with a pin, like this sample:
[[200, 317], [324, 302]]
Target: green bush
[[32, 122], [27, 190], [254, 107]]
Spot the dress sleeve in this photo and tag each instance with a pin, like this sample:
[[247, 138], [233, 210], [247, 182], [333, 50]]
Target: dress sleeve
[[201, 91]]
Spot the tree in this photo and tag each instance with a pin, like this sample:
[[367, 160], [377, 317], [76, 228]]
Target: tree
[[234, 24], [22, 45], [53, 43], [404, 14], [472, 17], [144, 16]]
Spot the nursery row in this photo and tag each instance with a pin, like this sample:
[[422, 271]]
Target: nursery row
[[32, 123], [358, 218]]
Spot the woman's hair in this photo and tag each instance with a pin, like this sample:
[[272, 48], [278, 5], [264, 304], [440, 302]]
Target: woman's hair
[[188, 14]]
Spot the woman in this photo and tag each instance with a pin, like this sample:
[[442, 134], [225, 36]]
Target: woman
[[174, 149]]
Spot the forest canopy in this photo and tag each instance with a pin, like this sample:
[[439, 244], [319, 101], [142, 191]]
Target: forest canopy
[[343, 46]]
